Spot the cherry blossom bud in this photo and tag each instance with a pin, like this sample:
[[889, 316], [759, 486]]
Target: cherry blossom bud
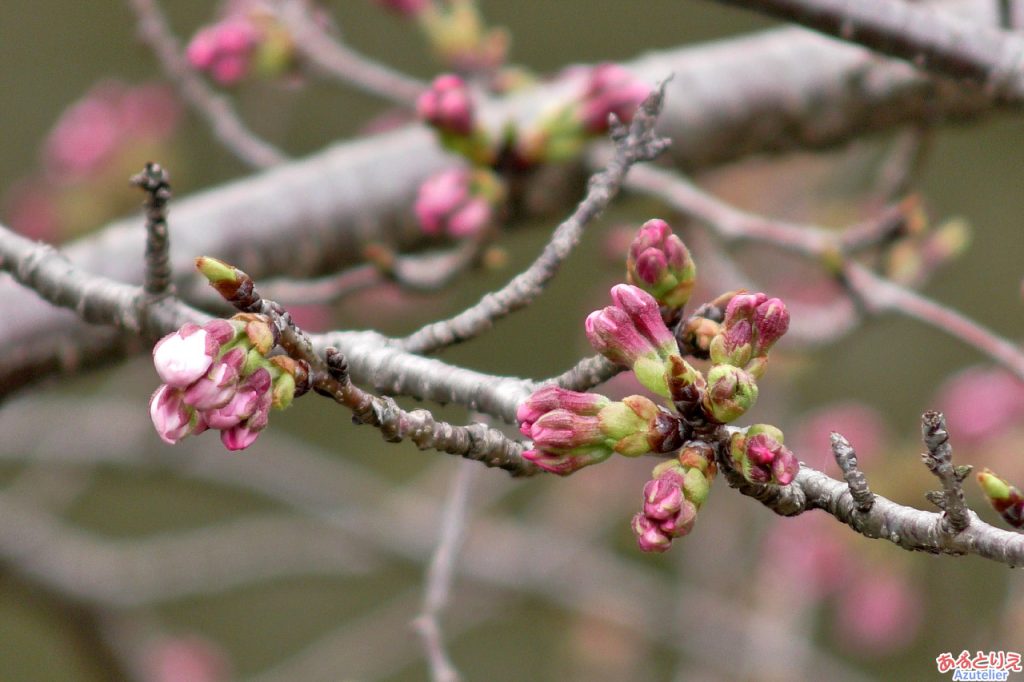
[[218, 386], [565, 440], [185, 355], [458, 202], [760, 456], [771, 321], [660, 264], [673, 497], [730, 392], [610, 89], [238, 437], [551, 397], [752, 325], [447, 105], [172, 418], [632, 334], [1004, 498]]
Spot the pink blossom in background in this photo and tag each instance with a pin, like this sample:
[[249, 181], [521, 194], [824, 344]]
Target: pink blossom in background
[[446, 205], [86, 136], [30, 209], [185, 659], [862, 425], [980, 403], [809, 551], [878, 612]]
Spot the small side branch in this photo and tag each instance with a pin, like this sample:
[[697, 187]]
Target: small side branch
[[638, 143], [846, 458], [939, 460], [227, 127], [154, 181], [440, 574]]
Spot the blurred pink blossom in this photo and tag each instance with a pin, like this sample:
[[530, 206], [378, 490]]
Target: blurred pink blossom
[[185, 659], [862, 425], [980, 403], [808, 550], [879, 612]]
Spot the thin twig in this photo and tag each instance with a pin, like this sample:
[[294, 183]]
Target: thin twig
[[639, 143], [939, 460], [225, 123], [440, 574], [339, 61], [928, 38], [846, 458], [155, 182]]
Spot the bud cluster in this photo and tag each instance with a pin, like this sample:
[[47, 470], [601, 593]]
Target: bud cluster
[[219, 376], [1004, 498], [761, 457], [459, 202], [249, 41], [571, 430], [673, 497], [660, 264]]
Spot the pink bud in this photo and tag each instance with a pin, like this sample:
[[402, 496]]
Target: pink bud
[[549, 398], [612, 334], [645, 314], [448, 203], [202, 49], [663, 497], [238, 437], [447, 105], [610, 89], [183, 356], [562, 463], [649, 535], [561, 429], [218, 386], [171, 417], [771, 320]]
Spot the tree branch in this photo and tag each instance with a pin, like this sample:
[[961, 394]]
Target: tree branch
[[926, 37]]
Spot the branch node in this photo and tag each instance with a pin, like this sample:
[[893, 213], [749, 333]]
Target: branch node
[[939, 460], [155, 182], [846, 458]]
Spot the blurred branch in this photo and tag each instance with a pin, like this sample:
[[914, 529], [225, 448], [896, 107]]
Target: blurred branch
[[338, 60], [224, 122], [924, 36], [314, 215], [439, 575]]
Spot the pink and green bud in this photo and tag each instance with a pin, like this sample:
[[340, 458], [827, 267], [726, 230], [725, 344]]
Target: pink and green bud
[[172, 418], [549, 398], [730, 392], [447, 105], [238, 437], [632, 334], [184, 356], [760, 456], [660, 264], [1004, 498], [565, 440], [564, 464], [459, 202], [260, 332], [249, 41], [673, 497], [752, 325]]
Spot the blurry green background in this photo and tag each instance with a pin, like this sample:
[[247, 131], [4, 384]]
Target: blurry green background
[[52, 52]]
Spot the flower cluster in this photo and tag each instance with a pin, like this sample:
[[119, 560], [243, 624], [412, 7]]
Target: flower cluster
[[572, 430], [219, 376], [1004, 498], [761, 457], [673, 497], [249, 40]]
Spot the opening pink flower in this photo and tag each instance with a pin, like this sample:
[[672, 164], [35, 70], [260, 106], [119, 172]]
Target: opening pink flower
[[184, 356]]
